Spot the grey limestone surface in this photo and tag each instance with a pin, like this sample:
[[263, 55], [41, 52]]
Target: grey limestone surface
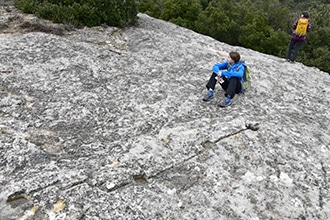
[[108, 123]]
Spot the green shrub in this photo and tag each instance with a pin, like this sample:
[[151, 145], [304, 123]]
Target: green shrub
[[27, 6], [50, 12], [83, 12]]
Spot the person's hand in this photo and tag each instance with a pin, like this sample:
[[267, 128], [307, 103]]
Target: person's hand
[[219, 78]]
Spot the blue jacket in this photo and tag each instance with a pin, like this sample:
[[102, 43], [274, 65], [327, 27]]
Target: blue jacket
[[235, 70]]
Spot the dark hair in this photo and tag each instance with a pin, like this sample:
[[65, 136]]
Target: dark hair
[[305, 14], [235, 56]]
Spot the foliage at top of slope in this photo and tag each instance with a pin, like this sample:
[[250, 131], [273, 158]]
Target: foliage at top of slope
[[83, 13]]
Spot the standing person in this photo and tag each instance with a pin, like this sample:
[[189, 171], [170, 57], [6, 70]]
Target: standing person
[[300, 28], [229, 74]]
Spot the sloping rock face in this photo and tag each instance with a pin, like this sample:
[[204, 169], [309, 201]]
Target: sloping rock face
[[104, 123]]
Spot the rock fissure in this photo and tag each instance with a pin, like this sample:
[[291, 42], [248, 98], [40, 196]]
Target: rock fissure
[[16, 196], [253, 127], [324, 187], [40, 189], [321, 197]]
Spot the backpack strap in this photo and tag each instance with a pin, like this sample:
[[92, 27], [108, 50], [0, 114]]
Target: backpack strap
[[237, 68]]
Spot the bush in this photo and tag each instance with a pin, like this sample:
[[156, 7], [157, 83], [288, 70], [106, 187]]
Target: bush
[[27, 6], [83, 13]]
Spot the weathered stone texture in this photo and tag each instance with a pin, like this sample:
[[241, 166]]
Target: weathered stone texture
[[110, 124]]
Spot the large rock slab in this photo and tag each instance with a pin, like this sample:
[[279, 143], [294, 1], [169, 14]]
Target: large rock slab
[[107, 123]]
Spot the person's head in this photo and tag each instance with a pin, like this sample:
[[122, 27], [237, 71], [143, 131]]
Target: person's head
[[234, 57], [305, 14]]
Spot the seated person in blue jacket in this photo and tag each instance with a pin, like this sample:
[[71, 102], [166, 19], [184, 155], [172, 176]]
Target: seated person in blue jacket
[[229, 75]]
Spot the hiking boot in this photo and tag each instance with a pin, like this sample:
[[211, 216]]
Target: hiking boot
[[225, 102], [208, 96]]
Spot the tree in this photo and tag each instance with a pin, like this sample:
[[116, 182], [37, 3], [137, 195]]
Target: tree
[[220, 20], [183, 13], [83, 13], [151, 7]]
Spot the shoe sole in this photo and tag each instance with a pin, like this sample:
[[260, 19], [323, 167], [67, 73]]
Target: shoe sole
[[209, 99], [224, 106]]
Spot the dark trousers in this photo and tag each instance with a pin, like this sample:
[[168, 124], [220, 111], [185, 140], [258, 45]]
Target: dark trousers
[[294, 45], [232, 85]]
